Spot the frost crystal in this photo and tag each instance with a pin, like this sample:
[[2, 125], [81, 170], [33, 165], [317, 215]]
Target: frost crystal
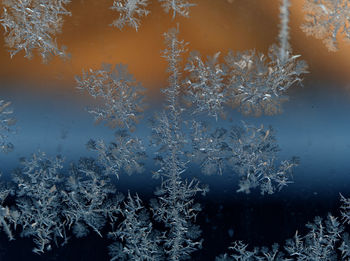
[[181, 7], [130, 12], [325, 19], [139, 242], [6, 124], [345, 209], [258, 85], [206, 86], [320, 243], [175, 206], [254, 152], [31, 24], [88, 199], [120, 94], [210, 149], [126, 153], [38, 200]]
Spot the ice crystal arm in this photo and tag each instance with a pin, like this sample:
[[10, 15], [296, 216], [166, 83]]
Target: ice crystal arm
[[6, 125], [181, 7], [325, 19], [89, 201], [206, 87], [284, 31], [120, 94], [32, 24], [125, 154], [38, 200], [130, 12], [139, 242], [254, 152]]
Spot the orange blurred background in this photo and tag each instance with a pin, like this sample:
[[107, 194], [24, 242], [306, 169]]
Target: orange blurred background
[[214, 25]]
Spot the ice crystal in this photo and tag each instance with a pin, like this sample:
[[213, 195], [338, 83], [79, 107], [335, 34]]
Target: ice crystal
[[258, 85], [126, 153], [6, 125], [325, 19], [206, 85], [7, 215], [181, 7], [33, 24], [88, 200], [138, 240], [210, 149], [345, 209], [119, 91], [175, 206], [254, 152], [38, 200], [130, 12], [320, 243]]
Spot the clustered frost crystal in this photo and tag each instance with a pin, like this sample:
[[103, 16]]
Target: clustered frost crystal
[[125, 154], [320, 243], [326, 19], [33, 24], [119, 93], [130, 13], [49, 204], [181, 7]]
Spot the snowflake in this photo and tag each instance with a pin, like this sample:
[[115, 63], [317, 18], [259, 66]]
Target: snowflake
[[181, 7], [258, 86], [254, 152], [31, 24], [125, 154], [206, 86], [89, 199], [130, 12], [119, 91], [210, 149], [38, 200], [6, 124], [138, 239], [325, 19]]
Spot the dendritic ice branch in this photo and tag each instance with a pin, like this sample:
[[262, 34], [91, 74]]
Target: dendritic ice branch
[[181, 7], [325, 19], [33, 24], [206, 86], [38, 200], [137, 238], [174, 206], [7, 215], [6, 125], [125, 154], [89, 199], [130, 12], [345, 209], [120, 94], [254, 152]]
